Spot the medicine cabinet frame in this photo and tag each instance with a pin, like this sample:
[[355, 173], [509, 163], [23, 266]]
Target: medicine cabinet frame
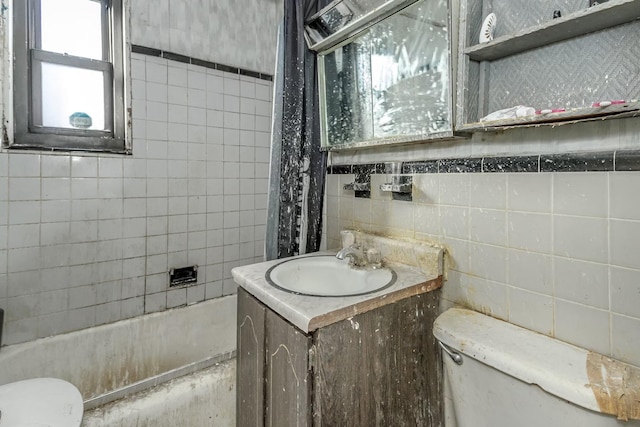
[[349, 35]]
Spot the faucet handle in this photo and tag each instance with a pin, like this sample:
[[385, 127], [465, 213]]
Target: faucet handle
[[374, 257], [347, 238]]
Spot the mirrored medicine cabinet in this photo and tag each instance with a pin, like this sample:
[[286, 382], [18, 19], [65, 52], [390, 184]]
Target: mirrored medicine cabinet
[[386, 80]]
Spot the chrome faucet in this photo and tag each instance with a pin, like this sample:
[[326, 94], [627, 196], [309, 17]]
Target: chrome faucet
[[356, 256]]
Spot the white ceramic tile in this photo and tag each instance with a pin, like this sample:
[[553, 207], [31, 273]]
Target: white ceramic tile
[[530, 271], [157, 93], [177, 76], [84, 167], [582, 325], [263, 124], [110, 167], [531, 311], [138, 70], [55, 166], [488, 190], [24, 236], [156, 245], [454, 221], [24, 212], [263, 108], [584, 194], [197, 98], [156, 130], [83, 231], [156, 72], [231, 186], [24, 165], [529, 192], [177, 242], [214, 83], [155, 302], [177, 96], [623, 188], [488, 262], [625, 291], [248, 106], [54, 233], [247, 89], [231, 103], [24, 188], [56, 188], [263, 92], [197, 79], [197, 134], [529, 231], [231, 85], [582, 282], [488, 226], [215, 107], [197, 116], [624, 339], [138, 90], [581, 238], [231, 120], [457, 258], [176, 297], [485, 296], [156, 111]]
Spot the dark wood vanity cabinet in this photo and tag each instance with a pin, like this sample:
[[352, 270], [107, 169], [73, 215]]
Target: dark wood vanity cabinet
[[378, 368]]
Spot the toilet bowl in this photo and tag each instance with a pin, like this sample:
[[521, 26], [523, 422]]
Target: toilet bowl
[[502, 375], [40, 402]]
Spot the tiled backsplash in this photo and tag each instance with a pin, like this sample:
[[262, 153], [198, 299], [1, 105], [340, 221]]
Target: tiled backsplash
[[555, 252], [88, 239]]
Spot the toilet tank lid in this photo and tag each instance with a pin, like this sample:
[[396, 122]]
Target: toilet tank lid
[[557, 367]]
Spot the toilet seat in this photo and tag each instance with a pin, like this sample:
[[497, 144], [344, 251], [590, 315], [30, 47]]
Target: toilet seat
[[40, 402]]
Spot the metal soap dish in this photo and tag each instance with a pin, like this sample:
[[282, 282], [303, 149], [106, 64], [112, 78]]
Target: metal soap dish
[[401, 186], [404, 188], [358, 186]]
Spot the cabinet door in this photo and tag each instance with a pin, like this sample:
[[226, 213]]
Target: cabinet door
[[250, 359], [288, 381], [380, 368]]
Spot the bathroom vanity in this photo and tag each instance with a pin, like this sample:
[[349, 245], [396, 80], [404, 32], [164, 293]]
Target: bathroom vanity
[[367, 360]]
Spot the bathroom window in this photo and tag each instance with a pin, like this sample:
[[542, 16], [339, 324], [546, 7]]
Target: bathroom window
[[68, 75]]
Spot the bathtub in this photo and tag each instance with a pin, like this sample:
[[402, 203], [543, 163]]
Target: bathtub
[[175, 367]]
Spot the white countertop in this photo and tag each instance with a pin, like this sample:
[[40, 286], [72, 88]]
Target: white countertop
[[309, 313]]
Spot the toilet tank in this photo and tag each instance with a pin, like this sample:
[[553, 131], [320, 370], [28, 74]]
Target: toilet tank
[[513, 377]]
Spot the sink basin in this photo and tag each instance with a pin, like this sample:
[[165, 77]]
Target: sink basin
[[327, 276]]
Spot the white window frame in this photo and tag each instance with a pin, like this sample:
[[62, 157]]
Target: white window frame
[[28, 59]]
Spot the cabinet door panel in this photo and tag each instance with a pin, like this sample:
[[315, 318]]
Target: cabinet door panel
[[380, 368], [250, 359], [288, 382]]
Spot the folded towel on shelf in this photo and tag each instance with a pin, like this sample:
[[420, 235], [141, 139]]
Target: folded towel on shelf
[[509, 113]]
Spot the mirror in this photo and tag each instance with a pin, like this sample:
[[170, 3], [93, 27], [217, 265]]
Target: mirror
[[342, 19], [390, 83]]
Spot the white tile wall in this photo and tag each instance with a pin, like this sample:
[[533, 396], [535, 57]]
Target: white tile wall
[[553, 252], [87, 240]]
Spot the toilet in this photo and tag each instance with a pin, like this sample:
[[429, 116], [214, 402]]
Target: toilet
[[40, 402], [502, 375]]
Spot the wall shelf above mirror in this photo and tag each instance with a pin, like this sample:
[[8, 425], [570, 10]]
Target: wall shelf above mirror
[[566, 61], [581, 22], [390, 83]]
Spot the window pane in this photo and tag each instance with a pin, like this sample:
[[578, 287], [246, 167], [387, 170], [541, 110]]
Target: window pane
[[69, 90], [73, 27]]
